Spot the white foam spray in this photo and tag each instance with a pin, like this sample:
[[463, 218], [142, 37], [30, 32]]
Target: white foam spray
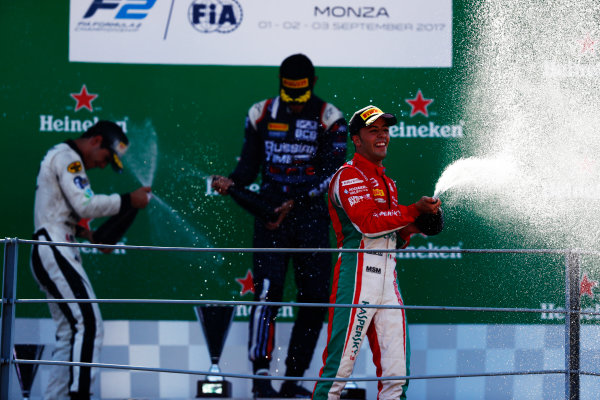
[[174, 229], [493, 174], [169, 226], [532, 100], [141, 159]]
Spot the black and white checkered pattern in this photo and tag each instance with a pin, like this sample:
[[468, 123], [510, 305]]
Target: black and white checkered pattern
[[436, 349]]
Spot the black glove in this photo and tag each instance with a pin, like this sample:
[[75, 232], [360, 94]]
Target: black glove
[[253, 203], [113, 229], [430, 224]]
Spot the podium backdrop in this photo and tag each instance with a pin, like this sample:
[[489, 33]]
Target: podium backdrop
[[180, 81]]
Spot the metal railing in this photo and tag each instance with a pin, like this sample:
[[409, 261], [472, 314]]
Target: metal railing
[[572, 312]]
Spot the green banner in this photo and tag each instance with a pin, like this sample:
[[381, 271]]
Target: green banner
[[186, 122]]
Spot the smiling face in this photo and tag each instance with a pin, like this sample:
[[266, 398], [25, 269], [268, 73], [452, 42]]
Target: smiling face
[[372, 141]]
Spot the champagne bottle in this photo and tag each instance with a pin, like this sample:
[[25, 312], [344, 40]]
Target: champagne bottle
[[113, 229]]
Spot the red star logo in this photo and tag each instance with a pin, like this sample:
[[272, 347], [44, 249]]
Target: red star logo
[[586, 286], [246, 283], [419, 104], [84, 99], [588, 44]]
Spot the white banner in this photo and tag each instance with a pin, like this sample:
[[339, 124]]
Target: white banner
[[347, 33]]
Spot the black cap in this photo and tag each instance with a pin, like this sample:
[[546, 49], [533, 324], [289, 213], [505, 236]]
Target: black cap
[[297, 77], [366, 116], [113, 139]]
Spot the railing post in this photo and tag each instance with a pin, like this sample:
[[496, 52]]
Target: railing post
[[572, 325], [9, 288]]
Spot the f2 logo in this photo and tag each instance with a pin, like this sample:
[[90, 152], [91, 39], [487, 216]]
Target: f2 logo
[[125, 12], [221, 16]]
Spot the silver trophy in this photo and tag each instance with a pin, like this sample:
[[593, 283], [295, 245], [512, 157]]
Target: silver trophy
[[352, 391], [26, 372], [215, 322]]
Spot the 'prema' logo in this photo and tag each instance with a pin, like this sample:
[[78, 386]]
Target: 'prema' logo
[[222, 16]]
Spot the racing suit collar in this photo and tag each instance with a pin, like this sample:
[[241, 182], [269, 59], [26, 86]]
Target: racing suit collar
[[364, 164], [71, 144], [278, 102]]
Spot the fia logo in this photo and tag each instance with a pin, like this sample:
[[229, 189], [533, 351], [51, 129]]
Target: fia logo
[[132, 9], [221, 16]]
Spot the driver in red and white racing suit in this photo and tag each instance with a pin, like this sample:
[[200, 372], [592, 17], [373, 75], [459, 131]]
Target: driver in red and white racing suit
[[363, 205]]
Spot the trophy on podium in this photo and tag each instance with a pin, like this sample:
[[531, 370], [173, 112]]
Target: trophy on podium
[[352, 391], [215, 321], [26, 372]]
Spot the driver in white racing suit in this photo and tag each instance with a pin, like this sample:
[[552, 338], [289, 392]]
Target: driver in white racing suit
[[63, 197]]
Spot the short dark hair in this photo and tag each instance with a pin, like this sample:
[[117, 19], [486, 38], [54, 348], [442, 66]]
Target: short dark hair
[[106, 129], [113, 139]]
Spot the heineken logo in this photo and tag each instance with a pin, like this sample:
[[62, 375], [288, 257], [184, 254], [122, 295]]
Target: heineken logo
[[429, 130], [67, 123], [432, 255], [419, 108], [50, 123]]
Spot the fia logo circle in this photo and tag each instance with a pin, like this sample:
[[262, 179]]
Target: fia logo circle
[[222, 16]]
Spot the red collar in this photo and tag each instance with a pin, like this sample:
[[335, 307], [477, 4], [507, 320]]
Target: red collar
[[367, 166]]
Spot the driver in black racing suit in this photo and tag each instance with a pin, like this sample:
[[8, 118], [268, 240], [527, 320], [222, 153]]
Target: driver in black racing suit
[[296, 141]]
